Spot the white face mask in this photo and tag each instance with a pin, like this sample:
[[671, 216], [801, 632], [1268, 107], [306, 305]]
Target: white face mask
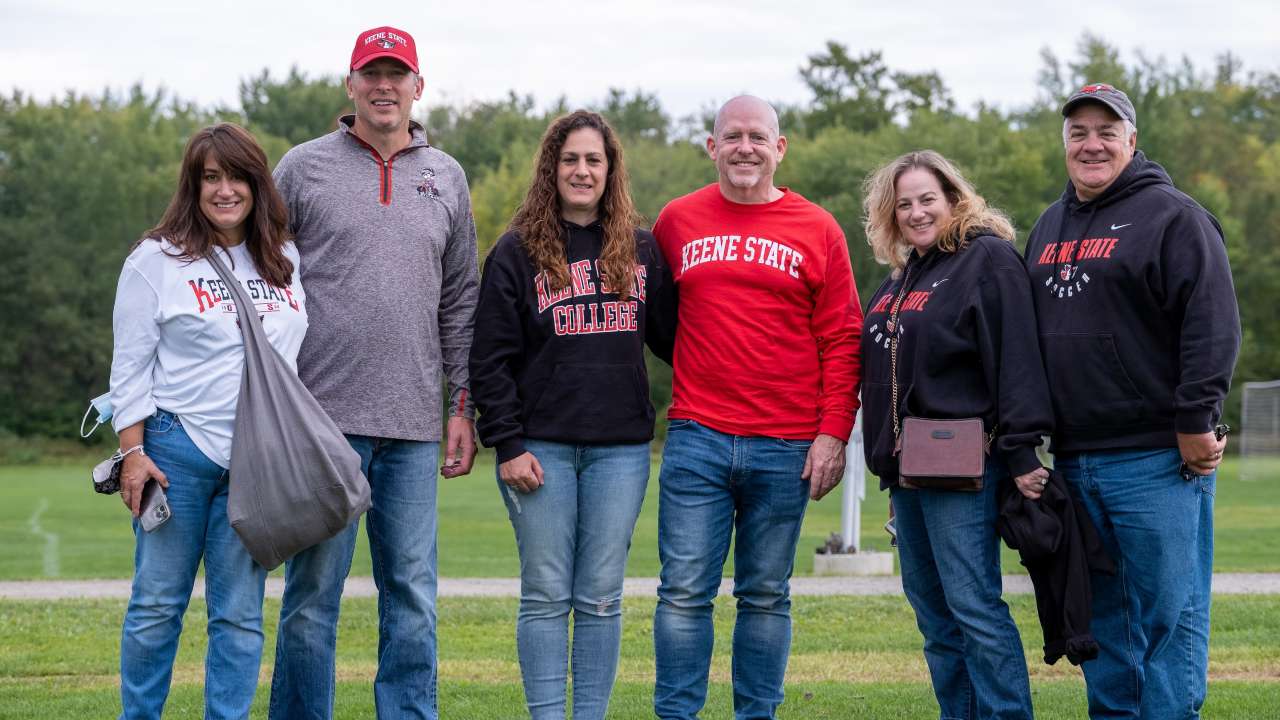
[[102, 404]]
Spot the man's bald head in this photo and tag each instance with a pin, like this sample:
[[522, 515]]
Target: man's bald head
[[746, 104], [747, 147]]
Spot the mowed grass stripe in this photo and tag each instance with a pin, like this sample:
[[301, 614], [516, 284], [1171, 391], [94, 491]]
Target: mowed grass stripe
[[851, 657]]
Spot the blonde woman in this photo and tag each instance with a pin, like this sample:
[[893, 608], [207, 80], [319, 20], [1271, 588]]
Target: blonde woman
[[958, 307]]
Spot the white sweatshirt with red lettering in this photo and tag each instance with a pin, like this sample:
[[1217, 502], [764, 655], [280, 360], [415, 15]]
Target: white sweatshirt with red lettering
[[178, 345], [769, 319]]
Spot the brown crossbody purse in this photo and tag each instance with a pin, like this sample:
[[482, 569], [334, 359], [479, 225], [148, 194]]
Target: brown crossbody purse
[[934, 454]]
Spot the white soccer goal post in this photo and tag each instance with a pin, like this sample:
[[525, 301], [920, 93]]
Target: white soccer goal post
[[1260, 431]]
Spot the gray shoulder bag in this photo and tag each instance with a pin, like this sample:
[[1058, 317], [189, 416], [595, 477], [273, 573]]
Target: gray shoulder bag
[[295, 481]]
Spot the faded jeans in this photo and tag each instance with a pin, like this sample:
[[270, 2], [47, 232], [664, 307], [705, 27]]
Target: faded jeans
[[1151, 619], [950, 557], [715, 486], [573, 534], [165, 564], [402, 542]]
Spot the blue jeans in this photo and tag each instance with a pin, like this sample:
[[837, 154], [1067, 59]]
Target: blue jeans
[[164, 572], [402, 542], [712, 485], [573, 534], [950, 558], [1151, 619]]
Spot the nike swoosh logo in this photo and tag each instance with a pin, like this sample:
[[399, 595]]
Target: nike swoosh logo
[[1117, 227], [940, 282]]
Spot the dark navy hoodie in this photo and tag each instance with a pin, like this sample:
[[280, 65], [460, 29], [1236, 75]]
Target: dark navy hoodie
[[1138, 319], [567, 366], [967, 348]]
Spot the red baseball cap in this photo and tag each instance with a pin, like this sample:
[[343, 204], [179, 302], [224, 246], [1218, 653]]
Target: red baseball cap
[[383, 42]]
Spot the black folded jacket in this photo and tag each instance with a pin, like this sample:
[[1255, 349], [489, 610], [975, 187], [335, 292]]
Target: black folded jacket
[[1059, 546]]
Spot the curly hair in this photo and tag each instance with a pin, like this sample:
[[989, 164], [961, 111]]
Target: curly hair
[[266, 228], [969, 211], [537, 221]]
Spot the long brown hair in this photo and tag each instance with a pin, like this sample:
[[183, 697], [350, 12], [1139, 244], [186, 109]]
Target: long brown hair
[[969, 211], [537, 221], [266, 227]]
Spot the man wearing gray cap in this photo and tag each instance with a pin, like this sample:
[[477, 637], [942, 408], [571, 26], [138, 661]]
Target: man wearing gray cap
[[1139, 330]]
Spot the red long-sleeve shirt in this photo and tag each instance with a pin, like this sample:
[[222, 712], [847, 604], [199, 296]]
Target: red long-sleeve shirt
[[769, 319]]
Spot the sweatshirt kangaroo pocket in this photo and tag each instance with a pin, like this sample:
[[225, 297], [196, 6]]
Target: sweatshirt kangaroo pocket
[[593, 403], [1088, 381]]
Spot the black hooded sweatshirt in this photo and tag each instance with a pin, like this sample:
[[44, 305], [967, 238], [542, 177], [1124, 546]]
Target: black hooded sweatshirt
[[967, 348], [568, 366], [1138, 319]]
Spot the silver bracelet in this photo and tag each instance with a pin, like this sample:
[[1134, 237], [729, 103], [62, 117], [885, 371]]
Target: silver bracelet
[[122, 454]]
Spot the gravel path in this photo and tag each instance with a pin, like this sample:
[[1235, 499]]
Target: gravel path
[[1223, 584]]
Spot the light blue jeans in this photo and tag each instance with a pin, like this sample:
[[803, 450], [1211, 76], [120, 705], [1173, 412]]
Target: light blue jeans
[[164, 572], [950, 558], [1151, 619], [714, 485], [573, 534], [402, 542]]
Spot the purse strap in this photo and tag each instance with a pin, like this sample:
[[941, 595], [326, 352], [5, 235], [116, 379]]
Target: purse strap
[[255, 338], [892, 326]]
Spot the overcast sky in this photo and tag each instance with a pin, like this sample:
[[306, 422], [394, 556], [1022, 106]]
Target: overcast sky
[[691, 53]]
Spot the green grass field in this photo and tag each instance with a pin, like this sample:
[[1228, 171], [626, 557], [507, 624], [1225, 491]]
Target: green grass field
[[851, 658], [53, 525], [79, 534]]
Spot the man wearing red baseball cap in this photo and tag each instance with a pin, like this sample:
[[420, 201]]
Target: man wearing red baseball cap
[[385, 42], [383, 225]]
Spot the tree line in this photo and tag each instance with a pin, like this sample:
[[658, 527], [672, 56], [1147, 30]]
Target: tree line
[[82, 176]]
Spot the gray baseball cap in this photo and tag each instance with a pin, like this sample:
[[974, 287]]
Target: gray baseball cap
[[1106, 95]]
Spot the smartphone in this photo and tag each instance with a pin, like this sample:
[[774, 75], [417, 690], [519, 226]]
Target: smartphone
[[155, 507], [892, 529]]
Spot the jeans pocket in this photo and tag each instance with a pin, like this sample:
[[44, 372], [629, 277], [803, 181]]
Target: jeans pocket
[[1207, 484], [161, 422], [679, 424], [795, 444]]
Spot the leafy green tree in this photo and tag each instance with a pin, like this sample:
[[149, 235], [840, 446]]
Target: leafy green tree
[[497, 194], [80, 180], [848, 90], [296, 108], [479, 135], [638, 115], [81, 177]]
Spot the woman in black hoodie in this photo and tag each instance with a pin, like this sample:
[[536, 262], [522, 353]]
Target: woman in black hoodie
[[957, 312], [569, 298]]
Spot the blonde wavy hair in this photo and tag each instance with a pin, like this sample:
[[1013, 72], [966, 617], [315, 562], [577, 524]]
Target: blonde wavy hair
[[969, 211], [537, 221]]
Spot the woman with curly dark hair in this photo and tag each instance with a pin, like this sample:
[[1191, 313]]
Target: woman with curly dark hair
[[569, 297], [175, 384]]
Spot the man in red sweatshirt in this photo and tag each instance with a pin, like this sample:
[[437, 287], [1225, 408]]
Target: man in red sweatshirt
[[763, 400]]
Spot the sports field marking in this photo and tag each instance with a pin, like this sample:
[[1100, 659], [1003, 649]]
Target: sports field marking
[[50, 539]]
